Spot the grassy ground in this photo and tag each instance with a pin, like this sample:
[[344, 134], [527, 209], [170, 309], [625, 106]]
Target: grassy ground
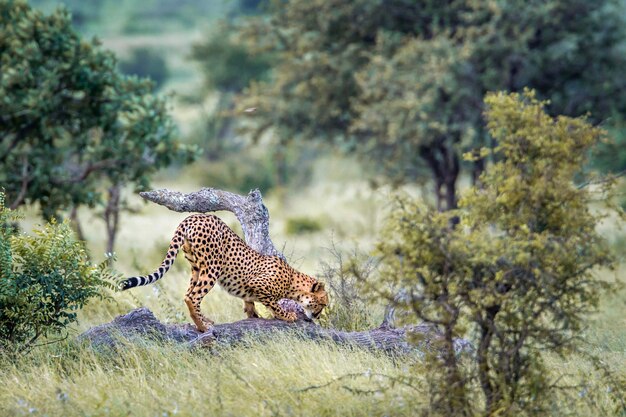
[[168, 380], [285, 376]]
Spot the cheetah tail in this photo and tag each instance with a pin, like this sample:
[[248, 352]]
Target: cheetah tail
[[175, 245]]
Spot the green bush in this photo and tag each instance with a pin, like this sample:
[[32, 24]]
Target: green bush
[[44, 280], [302, 225], [517, 275]]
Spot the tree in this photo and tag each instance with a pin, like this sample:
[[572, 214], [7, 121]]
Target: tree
[[415, 108], [319, 45], [70, 124], [402, 82], [146, 63], [227, 65], [517, 274]]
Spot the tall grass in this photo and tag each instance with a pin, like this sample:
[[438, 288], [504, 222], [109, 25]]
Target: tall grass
[[285, 375], [282, 376]]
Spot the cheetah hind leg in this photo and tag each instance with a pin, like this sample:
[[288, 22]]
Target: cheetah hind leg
[[201, 322], [248, 308], [196, 292]]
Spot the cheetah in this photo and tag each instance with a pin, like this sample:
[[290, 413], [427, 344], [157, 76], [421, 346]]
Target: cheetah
[[218, 255]]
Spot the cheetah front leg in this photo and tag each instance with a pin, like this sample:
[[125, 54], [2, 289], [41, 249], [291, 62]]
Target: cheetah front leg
[[248, 308], [279, 312]]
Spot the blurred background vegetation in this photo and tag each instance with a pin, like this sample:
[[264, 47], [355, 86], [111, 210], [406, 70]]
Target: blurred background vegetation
[[330, 107]]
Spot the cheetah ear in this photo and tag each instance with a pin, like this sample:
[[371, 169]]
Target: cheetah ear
[[318, 286]]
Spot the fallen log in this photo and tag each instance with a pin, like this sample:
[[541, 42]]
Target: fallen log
[[141, 325]]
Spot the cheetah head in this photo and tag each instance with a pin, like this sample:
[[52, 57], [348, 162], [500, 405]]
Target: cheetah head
[[314, 301]]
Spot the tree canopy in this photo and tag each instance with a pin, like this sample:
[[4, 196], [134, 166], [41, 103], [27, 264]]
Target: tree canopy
[[70, 123], [401, 82], [226, 64]]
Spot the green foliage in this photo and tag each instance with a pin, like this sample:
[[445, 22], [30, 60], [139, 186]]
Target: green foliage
[[609, 157], [146, 63], [413, 110], [517, 274], [228, 65], [250, 6], [241, 166], [151, 16], [241, 173], [402, 81], [83, 13], [44, 280], [71, 123], [7, 230], [312, 81], [301, 225]]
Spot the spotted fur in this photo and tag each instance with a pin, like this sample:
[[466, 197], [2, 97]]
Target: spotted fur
[[218, 255]]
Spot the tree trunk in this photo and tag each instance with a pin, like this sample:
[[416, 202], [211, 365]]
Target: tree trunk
[[451, 173], [444, 165], [21, 196], [280, 161], [456, 403], [478, 167], [75, 221], [112, 216], [483, 140], [492, 396], [219, 127]]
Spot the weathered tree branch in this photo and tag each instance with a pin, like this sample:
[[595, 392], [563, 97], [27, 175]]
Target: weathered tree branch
[[603, 180], [80, 173], [250, 211]]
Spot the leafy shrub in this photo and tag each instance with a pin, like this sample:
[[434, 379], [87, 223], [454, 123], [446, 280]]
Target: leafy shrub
[[302, 225], [44, 280], [518, 273]]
